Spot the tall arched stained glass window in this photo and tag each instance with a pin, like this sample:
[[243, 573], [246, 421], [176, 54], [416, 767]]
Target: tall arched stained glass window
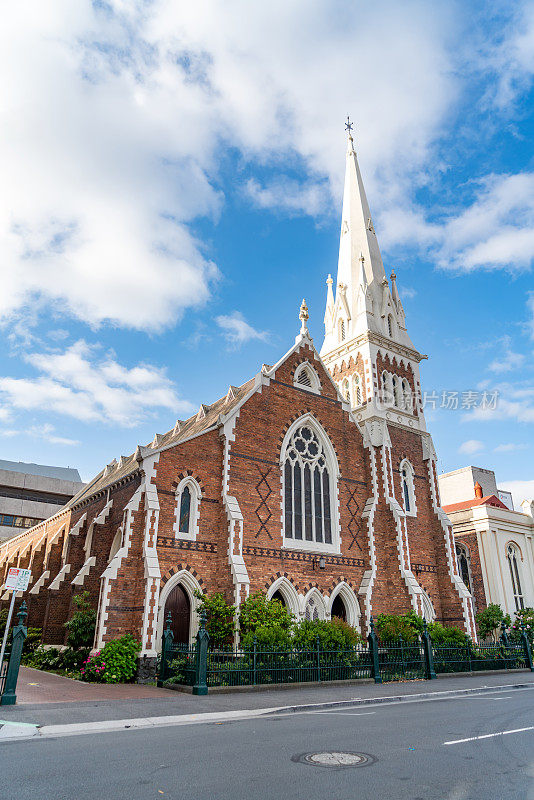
[[185, 510], [514, 559], [307, 488], [462, 556]]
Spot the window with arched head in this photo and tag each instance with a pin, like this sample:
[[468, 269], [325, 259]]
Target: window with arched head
[[309, 477], [390, 326], [464, 564], [406, 396], [407, 488], [187, 509], [342, 330], [356, 390], [513, 555], [345, 390], [306, 378]]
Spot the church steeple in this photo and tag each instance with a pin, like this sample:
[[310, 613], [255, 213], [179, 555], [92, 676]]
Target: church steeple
[[366, 346], [363, 298], [358, 237]]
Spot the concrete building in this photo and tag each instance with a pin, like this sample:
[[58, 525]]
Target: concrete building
[[494, 543], [30, 493]]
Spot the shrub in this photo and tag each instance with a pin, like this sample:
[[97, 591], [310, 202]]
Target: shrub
[[115, 663], [269, 637], [489, 620], [219, 618], [393, 626], [257, 612], [45, 658], [81, 626], [445, 635], [332, 634], [525, 615]]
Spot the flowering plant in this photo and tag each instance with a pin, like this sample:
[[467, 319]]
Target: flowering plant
[[115, 663]]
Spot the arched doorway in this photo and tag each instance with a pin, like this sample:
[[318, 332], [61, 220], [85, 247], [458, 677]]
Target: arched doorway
[[278, 596], [338, 608], [180, 608]]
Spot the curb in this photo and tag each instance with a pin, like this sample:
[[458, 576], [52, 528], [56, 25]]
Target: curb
[[399, 698]]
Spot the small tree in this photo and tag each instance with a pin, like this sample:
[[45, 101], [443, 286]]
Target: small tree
[[269, 621], [81, 626], [220, 618], [489, 620]]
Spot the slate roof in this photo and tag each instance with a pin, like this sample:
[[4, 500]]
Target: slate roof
[[206, 417]]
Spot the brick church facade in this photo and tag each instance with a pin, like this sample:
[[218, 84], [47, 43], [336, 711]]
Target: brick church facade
[[314, 482]]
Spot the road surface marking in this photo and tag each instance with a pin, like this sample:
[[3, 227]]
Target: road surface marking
[[490, 735], [344, 713]]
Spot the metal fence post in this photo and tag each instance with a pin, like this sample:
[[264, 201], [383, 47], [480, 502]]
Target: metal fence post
[[504, 635], [372, 640], [429, 653], [318, 651], [526, 647], [255, 674], [9, 696], [166, 649], [201, 661]]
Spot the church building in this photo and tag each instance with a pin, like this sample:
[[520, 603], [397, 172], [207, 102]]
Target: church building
[[314, 482]]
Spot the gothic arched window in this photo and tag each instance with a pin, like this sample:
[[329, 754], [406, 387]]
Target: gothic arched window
[[390, 326], [464, 564], [514, 559], [345, 390], [309, 479], [306, 378], [395, 390], [407, 488], [341, 330], [356, 391], [187, 509], [406, 395]]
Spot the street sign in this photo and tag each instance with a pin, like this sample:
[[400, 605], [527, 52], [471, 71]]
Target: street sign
[[17, 579]]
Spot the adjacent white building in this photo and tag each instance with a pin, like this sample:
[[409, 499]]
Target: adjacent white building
[[494, 542], [30, 493]]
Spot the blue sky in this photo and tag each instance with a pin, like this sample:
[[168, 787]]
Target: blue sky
[[174, 176]]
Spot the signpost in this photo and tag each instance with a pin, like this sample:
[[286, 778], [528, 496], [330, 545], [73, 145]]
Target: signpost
[[17, 581]]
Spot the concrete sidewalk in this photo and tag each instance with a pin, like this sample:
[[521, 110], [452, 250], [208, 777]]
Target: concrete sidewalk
[[97, 703]]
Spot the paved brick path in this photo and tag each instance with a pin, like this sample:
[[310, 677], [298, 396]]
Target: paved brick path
[[35, 686]]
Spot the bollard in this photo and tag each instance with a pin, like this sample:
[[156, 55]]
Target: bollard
[[9, 696]]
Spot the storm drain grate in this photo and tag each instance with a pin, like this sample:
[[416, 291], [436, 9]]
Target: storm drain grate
[[334, 759]]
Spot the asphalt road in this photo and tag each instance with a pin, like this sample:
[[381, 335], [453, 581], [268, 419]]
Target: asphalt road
[[406, 742]]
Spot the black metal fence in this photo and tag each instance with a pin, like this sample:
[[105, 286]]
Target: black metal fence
[[202, 667], [9, 668]]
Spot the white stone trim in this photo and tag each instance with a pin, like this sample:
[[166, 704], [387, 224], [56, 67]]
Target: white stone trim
[[320, 601], [81, 575], [39, 583], [190, 585], [288, 592], [350, 601], [333, 471], [194, 510], [315, 387], [60, 577]]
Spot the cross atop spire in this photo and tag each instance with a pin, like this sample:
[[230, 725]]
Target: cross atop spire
[[348, 126]]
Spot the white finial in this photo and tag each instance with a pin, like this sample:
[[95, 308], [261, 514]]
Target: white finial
[[329, 280], [304, 317]]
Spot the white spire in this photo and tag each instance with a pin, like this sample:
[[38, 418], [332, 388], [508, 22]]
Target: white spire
[[358, 236], [363, 300]]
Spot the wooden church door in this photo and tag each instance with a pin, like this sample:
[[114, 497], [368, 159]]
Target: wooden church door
[[179, 606]]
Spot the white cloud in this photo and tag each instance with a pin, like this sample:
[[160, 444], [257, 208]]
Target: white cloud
[[290, 196], [237, 330], [114, 116], [508, 360], [510, 447], [513, 59], [513, 401], [471, 446], [407, 292], [78, 384], [530, 306], [521, 490], [46, 432]]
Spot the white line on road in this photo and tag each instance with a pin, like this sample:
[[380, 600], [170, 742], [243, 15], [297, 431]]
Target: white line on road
[[490, 735]]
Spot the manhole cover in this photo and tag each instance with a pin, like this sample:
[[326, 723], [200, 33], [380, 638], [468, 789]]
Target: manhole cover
[[335, 758]]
